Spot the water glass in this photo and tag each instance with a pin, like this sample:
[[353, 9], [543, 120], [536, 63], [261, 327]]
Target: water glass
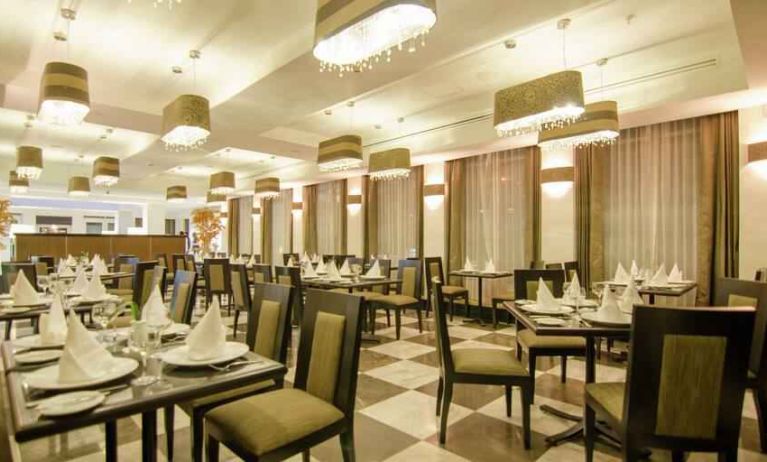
[[143, 344]]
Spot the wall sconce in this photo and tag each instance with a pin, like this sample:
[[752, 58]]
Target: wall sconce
[[256, 212], [433, 195], [557, 182], [354, 203], [757, 158], [298, 208]]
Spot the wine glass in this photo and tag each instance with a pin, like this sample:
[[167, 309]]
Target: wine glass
[[143, 338], [598, 289], [43, 282]]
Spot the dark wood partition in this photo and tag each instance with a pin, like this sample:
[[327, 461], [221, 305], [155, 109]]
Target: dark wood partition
[[146, 247]]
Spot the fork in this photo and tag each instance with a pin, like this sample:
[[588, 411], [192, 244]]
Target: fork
[[231, 365]]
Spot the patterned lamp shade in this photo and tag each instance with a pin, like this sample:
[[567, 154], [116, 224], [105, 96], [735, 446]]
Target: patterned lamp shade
[[215, 199], [222, 183], [342, 153], [17, 184], [79, 186], [389, 165], [598, 125], [552, 101], [267, 188], [351, 35], [64, 97], [176, 193], [29, 162], [186, 122], [106, 171]]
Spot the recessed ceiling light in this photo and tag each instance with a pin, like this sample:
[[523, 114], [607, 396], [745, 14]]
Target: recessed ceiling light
[[378, 126], [328, 112], [510, 44]]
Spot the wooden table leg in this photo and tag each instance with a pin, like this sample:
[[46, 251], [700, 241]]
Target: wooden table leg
[[149, 436], [110, 441]]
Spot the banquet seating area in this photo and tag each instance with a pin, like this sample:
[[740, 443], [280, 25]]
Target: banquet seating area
[[383, 230]]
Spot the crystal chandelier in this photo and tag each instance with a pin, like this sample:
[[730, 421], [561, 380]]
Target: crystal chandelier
[[156, 3], [29, 162], [353, 37], [106, 171], [16, 184], [175, 194], [186, 121], [389, 165], [338, 154], [598, 126]]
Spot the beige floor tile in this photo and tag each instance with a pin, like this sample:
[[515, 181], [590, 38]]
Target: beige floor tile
[[425, 452], [407, 374], [540, 422], [402, 349]]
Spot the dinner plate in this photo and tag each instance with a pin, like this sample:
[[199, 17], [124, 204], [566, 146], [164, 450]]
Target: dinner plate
[[681, 283], [15, 309], [582, 304], [35, 341], [47, 378], [595, 318], [534, 309], [37, 356], [104, 298], [372, 278], [522, 301], [6, 297], [551, 322], [179, 356], [70, 403], [177, 328], [309, 277]]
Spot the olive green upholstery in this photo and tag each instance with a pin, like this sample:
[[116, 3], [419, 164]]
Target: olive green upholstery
[[147, 285], [237, 291], [741, 300], [409, 282], [487, 361], [453, 290], [528, 339], [41, 268], [268, 325], [258, 277], [327, 346], [435, 271], [125, 283], [609, 395], [227, 395], [190, 266], [532, 288], [284, 279], [182, 298], [397, 300], [217, 277], [266, 422]]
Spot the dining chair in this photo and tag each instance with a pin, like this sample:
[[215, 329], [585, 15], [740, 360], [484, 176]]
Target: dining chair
[[240, 293], [6, 453], [267, 335], [217, 282], [123, 287], [483, 366], [49, 261], [554, 266], [684, 387], [279, 424], [144, 280], [288, 256], [262, 273], [408, 294], [761, 275], [738, 292], [291, 276], [372, 294], [526, 287], [184, 296], [11, 271], [162, 259], [537, 264], [433, 268], [571, 270]]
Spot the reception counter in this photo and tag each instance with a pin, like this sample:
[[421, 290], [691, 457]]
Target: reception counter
[[146, 247]]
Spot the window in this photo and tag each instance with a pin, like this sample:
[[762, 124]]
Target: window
[[330, 217], [398, 217], [170, 226]]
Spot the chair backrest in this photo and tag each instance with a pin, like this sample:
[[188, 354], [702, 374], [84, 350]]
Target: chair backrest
[[537, 264], [11, 271], [269, 321], [433, 268], [554, 266], [143, 279], [257, 258], [282, 275], [571, 269], [177, 262], [440, 327], [356, 261], [385, 267], [184, 296], [761, 275], [240, 287], [340, 259], [160, 279], [329, 349], [262, 273], [216, 273], [287, 256], [125, 264], [41, 268], [687, 376], [162, 259], [291, 275], [526, 282], [189, 263], [50, 263], [409, 272], [739, 292]]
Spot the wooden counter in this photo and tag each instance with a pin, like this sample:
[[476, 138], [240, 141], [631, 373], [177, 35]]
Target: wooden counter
[[146, 247]]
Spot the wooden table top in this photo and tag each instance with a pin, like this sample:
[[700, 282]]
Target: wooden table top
[[105, 277], [178, 385], [349, 284], [482, 275], [675, 290], [574, 327]]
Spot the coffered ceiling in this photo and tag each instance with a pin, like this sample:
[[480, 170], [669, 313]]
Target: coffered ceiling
[[269, 100]]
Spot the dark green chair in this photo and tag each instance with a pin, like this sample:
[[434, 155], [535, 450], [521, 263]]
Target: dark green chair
[[408, 295]]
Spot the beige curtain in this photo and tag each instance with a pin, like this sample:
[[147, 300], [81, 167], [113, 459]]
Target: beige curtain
[[418, 173], [266, 231], [399, 204], [370, 214], [233, 225], [454, 213], [331, 217], [534, 221], [310, 219], [589, 210]]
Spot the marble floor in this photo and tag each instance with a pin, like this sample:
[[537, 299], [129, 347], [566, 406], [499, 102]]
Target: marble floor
[[396, 398]]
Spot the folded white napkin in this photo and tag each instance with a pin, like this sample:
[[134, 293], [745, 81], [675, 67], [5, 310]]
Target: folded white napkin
[[573, 292], [95, 290], [489, 267], [634, 269], [291, 262], [374, 271], [675, 275], [630, 298], [154, 311], [321, 268], [621, 276], [100, 267], [71, 260], [315, 258], [81, 282], [252, 260], [609, 310], [545, 300], [53, 324], [304, 258], [309, 270], [22, 291], [60, 267], [65, 271], [660, 278], [83, 357], [333, 274], [345, 271], [232, 260], [208, 337], [467, 266]]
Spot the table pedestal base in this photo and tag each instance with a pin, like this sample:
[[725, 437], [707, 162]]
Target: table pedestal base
[[604, 433]]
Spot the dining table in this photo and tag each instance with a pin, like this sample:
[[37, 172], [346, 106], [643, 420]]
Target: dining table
[[674, 289], [480, 276], [104, 277], [81, 307], [573, 326], [123, 399]]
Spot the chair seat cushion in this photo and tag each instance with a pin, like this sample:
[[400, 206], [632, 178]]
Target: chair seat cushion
[[452, 291], [487, 361], [120, 291], [396, 300], [528, 339], [271, 420], [609, 395], [228, 394], [505, 296], [369, 295]]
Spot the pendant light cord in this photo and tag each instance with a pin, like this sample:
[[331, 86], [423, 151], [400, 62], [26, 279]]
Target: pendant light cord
[[564, 47]]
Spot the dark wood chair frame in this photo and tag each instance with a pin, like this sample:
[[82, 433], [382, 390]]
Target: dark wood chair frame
[[175, 265], [138, 279], [189, 277], [264, 269], [47, 259], [294, 273], [239, 275], [11, 268], [451, 298], [417, 305], [227, 289], [287, 256]]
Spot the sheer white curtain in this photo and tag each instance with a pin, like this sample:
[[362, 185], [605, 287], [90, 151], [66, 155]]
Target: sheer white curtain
[[651, 198], [282, 207], [330, 217], [497, 207], [398, 218]]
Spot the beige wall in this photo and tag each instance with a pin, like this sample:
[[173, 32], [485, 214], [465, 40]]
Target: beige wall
[[753, 194], [354, 221], [557, 211], [434, 213]]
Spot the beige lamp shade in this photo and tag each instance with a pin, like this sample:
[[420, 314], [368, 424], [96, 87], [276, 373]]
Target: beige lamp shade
[[79, 186], [215, 199], [267, 188], [186, 122], [390, 164], [29, 162], [431, 190], [354, 199], [106, 171], [222, 183], [757, 152], [598, 125], [255, 211], [176, 193], [16, 184], [342, 153], [552, 101], [557, 175], [64, 97]]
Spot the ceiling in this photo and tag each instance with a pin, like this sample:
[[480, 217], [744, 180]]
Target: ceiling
[[270, 100]]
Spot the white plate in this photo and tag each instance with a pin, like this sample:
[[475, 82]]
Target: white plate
[[582, 304], [681, 283], [372, 278], [179, 356], [105, 298], [34, 341], [70, 403], [47, 378], [37, 356], [551, 322], [309, 277], [177, 329], [6, 297], [15, 309], [595, 318], [534, 309], [522, 301]]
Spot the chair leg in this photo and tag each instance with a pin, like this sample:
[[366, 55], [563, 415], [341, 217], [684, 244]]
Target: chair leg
[[527, 401], [236, 319], [677, 456], [211, 449], [110, 441], [446, 398], [440, 392], [388, 317], [495, 316], [306, 456], [196, 427], [372, 319], [519, 352], [760, 402], [531, 360], [169, 412], [397, 321], [728, 455], [452, 309], [347, 444], [508, 401], [563, 379], [420, 320], [589, 429]]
